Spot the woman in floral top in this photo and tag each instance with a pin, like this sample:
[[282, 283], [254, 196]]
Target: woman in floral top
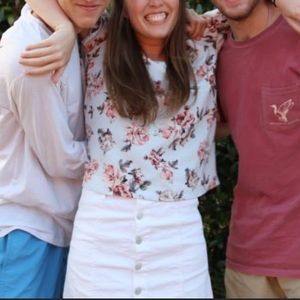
[[150, 118], [150, 113]]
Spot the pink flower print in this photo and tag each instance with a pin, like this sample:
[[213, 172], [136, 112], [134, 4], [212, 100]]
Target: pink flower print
[[155, 158], [169, 132], [202, 71], [212, 117], [185, 119], [137, 135], [203, 151], [126, 183], [192, 179], [138, 177], [89, 47], [167, 173], [95, 83], [165, 168], [90, 169], [109, 173], [110, 110], [122, 190], [112, 176]]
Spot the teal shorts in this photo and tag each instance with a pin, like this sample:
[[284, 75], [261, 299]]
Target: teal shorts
[[30, 268]]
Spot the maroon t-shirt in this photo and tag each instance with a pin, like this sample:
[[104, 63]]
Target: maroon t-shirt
[[259, 91]]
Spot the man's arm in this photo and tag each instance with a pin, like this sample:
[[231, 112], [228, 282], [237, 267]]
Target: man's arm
[[51, 13], [43, 115], [52, 54], [57, 49], [290, 9]]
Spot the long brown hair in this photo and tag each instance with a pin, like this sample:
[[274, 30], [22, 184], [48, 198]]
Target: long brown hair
[[129, 84]]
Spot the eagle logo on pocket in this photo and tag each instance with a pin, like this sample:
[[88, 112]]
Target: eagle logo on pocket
[[282, 111]]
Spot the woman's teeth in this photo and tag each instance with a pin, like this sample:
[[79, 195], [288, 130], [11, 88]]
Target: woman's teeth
[[156, 17]]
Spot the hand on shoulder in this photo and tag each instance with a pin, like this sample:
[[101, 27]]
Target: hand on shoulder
[[290, 9]]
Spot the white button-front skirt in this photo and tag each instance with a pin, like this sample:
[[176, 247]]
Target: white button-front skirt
[[128, 248]]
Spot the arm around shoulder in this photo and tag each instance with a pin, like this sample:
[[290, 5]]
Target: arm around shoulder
[[290, 9], [53, 53]]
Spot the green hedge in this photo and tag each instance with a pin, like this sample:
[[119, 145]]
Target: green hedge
[[215, 206], [9, 10]]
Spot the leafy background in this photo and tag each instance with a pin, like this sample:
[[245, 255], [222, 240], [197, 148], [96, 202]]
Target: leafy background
[[215, 206]]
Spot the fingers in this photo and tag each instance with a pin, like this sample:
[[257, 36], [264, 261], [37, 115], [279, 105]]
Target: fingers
[[195, 29], [43, 44], [43, 69], [294, 23], [41, 61], [196, 24], [50, 55], [195, 32], [190, 29], [38, 52], [57, 74]]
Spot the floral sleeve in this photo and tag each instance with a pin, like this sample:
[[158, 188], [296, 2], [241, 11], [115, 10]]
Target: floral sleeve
[[217, 29]]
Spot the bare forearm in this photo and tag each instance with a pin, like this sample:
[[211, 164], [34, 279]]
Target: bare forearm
[[52, 53], [290, 9], [50, 12]]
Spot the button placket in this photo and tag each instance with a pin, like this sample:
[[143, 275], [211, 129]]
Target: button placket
[[139, 282], [138, 291], [138, 266], [140, 216], [138, 240]]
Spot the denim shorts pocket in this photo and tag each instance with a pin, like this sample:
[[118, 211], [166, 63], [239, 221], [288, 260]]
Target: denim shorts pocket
[[281, 108]]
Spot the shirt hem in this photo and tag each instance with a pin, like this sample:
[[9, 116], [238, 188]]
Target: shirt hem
[[40, 235], [263, 271], [200, 192]]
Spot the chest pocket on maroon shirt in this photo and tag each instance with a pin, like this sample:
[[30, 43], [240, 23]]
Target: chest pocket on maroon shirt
[[281, 108]]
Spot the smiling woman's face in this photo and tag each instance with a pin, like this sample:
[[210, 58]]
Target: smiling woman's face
[[152, 20]]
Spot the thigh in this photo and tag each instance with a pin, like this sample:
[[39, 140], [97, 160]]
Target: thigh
[[290, 286], [240, 285], [30, 268]]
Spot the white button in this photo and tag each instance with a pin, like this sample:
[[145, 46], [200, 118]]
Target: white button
[[138, 266], [140, 216], [138, 240], [138, 291]]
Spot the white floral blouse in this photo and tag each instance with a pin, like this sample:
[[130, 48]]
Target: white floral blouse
[[169, 160]]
